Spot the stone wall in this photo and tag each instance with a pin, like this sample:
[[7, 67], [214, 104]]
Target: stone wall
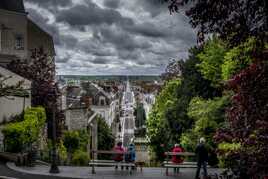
[[76, 119], [13, 24], [38, 38]]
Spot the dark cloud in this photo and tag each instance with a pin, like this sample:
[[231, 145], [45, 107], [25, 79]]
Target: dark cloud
[[62, 59], [154, 7], [133, 55], [68, 41], [122, 40], [113, 36], [43, 23], [146, 29], [95, 48], [112, 3], [91, 14], [100, 60], [51, 3]]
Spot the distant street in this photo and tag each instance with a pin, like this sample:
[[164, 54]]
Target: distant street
[[128, 123]]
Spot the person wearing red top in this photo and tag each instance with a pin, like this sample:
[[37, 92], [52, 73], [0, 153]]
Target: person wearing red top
[[177, 159], [120, 156]]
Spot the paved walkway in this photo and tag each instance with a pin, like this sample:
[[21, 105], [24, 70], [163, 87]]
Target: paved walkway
[[106, 172], [6, 173]]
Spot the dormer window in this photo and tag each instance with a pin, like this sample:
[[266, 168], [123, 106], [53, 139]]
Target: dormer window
[[19, 42], [102, 102]]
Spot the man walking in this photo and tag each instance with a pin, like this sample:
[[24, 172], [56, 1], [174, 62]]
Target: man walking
[[202, 158]]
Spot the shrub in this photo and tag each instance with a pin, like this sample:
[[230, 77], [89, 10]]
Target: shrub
[[62, 151], [71, 140], [80, 158], [19, 135], [248, 120]]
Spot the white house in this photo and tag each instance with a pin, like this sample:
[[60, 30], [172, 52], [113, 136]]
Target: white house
[[103, 103], [19, 35], [13, 105]]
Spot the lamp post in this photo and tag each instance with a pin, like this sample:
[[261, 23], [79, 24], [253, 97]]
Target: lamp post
[[92, 150], [54, 167]]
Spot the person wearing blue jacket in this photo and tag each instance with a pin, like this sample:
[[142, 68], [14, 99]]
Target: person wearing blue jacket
[[131, 153]]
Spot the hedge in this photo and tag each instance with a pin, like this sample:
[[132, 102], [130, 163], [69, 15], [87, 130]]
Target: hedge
[[18, 135]]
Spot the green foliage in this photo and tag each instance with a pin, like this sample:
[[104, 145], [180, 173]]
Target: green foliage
[[83, 139], [106, 139], [157, 125], [211, 109], [208, 116], [44, 89], [189, 139], [62, 151], [219, 64], [80, 158], [228, 147], [18, 135], [225, 149], [164, 99], [212, 58], [168, 118], [238, 58], [71, 140]]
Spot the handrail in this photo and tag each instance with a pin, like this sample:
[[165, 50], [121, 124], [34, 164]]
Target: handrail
[[109, 152], [180, 153]]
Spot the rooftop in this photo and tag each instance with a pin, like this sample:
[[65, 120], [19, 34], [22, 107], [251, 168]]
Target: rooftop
[[12, 5]]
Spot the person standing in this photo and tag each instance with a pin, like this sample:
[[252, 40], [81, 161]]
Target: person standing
[[202, 158]]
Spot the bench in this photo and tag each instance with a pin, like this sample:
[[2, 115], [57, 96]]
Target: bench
[[110, 163], [168, 164]]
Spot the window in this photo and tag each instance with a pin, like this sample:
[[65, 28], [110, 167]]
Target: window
[[102, 102], [19, 42]]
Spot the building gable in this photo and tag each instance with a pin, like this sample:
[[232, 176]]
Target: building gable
[[12, 5]]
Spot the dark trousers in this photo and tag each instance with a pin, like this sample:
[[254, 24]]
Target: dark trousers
[[199, 165]]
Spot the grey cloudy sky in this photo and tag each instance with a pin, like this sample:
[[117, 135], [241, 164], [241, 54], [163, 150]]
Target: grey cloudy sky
[[113, 37]]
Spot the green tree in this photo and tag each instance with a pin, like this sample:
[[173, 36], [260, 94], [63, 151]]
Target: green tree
[[40, 69], [106, 139], [219, 64], [208, 116], [212, 57], [140, 115], [168, 118], [157, 125], [234, 21]]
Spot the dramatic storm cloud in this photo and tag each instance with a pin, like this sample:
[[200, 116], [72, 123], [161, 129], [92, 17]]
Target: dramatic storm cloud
[[102, 37]]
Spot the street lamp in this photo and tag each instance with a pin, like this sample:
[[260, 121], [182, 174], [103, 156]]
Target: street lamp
[[54, 167], [92, 150]]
